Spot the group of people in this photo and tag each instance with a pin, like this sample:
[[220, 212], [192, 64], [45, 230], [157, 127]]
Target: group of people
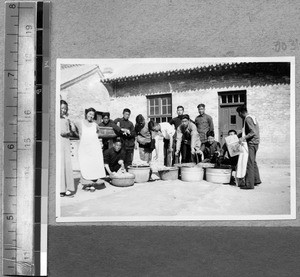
[[184, 141], [95, 160]]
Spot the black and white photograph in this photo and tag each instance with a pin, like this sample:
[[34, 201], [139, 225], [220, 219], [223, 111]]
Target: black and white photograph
[[175, 139]]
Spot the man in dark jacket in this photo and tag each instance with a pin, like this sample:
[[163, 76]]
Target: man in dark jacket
[[107, 122], [251, 136], [176, 121], [114, 157], [128, 136], [188, 140], [204, 123], [211, 149]]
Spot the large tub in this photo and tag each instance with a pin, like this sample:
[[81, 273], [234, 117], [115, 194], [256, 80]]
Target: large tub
[[218, 175], [192, 174], [141, 173]]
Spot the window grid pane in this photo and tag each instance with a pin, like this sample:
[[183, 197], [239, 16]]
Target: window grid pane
[[242, 98], [164, 110], [160, 109], [224, 99]]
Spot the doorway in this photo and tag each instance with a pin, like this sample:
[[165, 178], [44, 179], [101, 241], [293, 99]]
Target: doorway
[[228, 117]]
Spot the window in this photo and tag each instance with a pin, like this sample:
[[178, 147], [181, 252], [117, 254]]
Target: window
[[160, 108], [232, 98]]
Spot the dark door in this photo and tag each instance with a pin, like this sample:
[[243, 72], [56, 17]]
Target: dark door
[[228, 117]]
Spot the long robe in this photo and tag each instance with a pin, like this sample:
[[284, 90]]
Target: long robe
[[66, 176], [90, 154]]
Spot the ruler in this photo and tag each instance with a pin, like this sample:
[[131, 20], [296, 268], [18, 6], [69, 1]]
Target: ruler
[[26, 138]]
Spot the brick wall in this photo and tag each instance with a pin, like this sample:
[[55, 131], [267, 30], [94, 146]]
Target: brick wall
[[137, 105], [270, 104]]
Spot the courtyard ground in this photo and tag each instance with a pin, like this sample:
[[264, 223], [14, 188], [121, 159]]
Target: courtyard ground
[[183, 199]]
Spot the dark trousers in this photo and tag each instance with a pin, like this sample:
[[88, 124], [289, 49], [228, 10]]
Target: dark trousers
[[252, 177], [175, 159], [186, 155], [167, 154], [128, 157]]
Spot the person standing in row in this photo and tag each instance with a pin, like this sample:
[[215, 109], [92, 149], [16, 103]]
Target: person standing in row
[[107, 122], [128, 136], [66, 171], [204, 123], [143, 139], [176, 121], [188, 140], [167, 131], [90, 155], [251, 136]]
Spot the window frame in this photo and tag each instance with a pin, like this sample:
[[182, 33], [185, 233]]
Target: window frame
[[232, 94], [160, 117]]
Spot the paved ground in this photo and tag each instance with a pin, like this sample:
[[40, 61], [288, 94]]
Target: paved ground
[[178, 199]]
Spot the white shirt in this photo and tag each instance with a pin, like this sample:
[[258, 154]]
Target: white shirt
[[167, 130]]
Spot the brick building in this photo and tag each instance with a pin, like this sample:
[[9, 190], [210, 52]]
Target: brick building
[[263, 86]]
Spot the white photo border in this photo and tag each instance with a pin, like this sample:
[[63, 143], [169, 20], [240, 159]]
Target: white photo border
[[293, 197]]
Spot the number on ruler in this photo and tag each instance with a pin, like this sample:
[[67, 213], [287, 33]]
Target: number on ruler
[[27, 169], [28, 57], [27, 142], [10, 146], [27, 113], [10, 217], [12, 6], [28, 29], [10, 74]]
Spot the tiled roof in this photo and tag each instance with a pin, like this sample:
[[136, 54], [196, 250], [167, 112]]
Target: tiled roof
[[140, 71]]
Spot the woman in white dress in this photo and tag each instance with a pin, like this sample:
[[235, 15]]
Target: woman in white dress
[[90, 154]]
